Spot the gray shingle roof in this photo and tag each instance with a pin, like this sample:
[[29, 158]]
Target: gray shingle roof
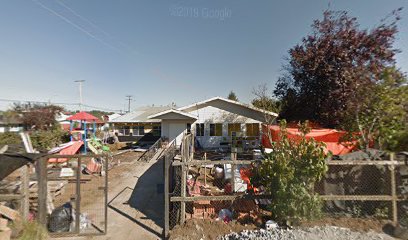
[[140, 115]]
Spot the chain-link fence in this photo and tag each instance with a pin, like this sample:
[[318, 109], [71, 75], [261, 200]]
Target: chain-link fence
[[220, 189], [78, 203]]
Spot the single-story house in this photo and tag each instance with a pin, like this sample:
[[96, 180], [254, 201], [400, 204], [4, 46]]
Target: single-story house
[[215, 122], [134, 125], [10, 123]]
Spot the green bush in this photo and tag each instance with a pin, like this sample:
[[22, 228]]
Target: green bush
[[289, 174], [9, 138], [44, 140]]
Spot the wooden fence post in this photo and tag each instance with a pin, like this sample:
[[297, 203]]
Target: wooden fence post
[[25, 180], [393, 191], [166, 196], [184, 151], [233, 168], [41, 171]]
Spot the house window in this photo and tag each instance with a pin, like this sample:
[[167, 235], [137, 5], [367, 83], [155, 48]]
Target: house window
[[188, 128], [233, 127], [156, 131], [138, 131], [125, 130], [216, 129], [252, 129], [199, 129]]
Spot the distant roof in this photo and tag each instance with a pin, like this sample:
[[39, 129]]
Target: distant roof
[[140, 115], [83, 116], [208, 101], [4, 119]]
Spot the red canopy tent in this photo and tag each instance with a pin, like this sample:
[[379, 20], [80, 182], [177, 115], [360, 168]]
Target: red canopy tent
[[330, 137], [83, 117]]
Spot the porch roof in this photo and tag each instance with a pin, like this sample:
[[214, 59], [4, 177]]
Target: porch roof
[[173, 114]]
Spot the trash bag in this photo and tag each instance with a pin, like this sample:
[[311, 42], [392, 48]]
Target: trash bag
[[225, 215], [61, 218]]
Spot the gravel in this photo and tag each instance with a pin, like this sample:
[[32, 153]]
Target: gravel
[[314, 233]]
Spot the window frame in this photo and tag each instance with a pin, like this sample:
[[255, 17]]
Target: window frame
[[250, 129], [233, 129], [138, 130], [216, 129], [200, 129]]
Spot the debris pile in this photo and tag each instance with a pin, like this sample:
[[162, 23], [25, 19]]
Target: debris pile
[[326, 232]]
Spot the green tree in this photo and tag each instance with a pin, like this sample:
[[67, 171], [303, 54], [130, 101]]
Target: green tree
[[264, 101], [38, 116], [326, 70], [232, 96], [381, 116], [289, 174]]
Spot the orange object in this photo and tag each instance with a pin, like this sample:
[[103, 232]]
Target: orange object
[[330, 137], [93, 167], [71, 150]]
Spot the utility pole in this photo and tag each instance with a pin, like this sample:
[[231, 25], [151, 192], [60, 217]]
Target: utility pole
[[80, 93], [129, 98]]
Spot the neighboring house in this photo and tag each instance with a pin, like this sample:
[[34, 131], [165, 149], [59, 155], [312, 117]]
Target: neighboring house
[[134, 125], [10, 124], [215, 122], [61, 118]]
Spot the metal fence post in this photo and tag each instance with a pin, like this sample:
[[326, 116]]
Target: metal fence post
[[78, 196]]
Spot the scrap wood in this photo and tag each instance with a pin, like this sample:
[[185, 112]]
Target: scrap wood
[[10, 213], [3, 224]]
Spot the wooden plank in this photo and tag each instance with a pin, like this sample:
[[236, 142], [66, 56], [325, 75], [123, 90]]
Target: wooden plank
[[356, 197], [41, 171], [206, 162], [166, 196], [330, 162], [183, 183], [10, 213], [25, 181], [9, 197], [365, 162]]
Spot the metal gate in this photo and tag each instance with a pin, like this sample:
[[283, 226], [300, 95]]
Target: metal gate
[[72, 194]]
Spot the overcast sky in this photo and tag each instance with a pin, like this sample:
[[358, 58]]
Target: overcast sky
[[159, 51]]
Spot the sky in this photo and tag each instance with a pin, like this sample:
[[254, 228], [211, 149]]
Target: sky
[[159, 51]]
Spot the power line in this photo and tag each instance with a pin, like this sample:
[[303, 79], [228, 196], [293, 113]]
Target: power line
[[58, 103], [65, 19]]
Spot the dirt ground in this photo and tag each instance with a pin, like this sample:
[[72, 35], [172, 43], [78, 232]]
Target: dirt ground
[[90, 188]]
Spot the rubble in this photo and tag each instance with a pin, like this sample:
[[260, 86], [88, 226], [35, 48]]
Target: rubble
[[323, 232]]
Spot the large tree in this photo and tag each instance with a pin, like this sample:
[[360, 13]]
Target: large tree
[[327, 70], [38, 116]]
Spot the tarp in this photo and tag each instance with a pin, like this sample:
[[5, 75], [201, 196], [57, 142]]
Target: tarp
[[330, 137], [9, 162], [71, 150]]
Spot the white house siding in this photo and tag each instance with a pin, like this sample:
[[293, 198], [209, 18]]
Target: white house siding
[[210, 114], [174, 129]]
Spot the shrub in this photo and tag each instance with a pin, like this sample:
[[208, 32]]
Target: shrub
[[9, 138], [44, 140], [289, 174]]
